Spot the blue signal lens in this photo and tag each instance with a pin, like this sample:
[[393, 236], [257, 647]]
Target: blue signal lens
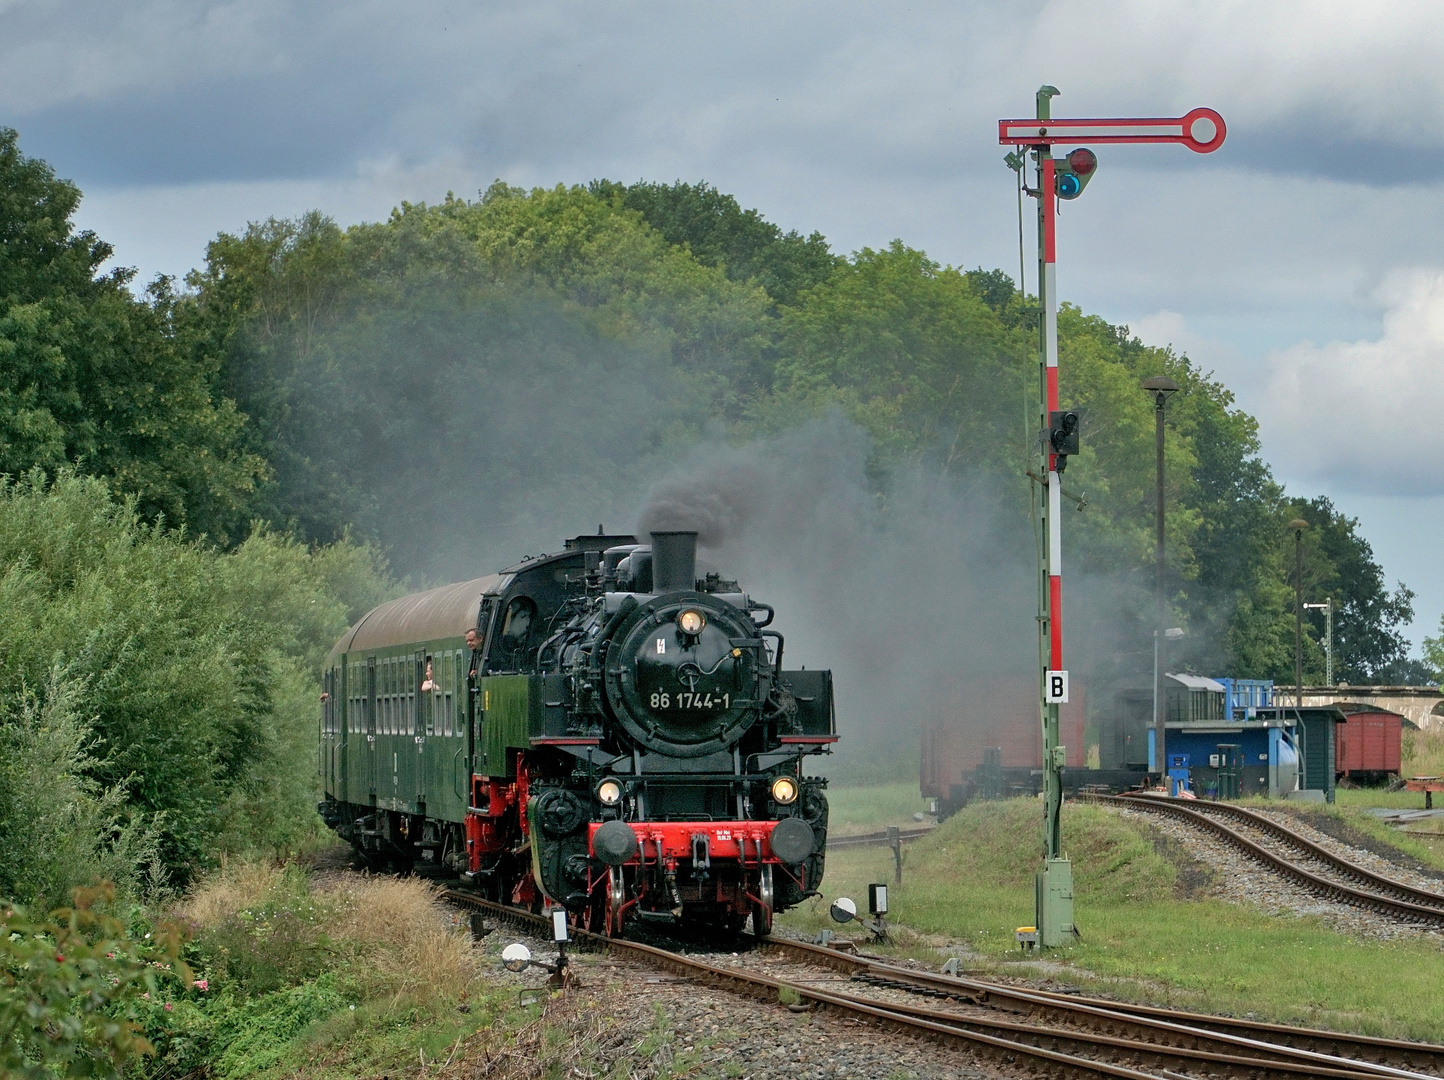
[[1068, 186]]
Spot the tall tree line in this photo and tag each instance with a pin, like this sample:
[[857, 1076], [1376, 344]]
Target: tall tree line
[[431, 381]]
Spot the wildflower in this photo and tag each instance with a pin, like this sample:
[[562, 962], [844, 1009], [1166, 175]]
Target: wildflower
[[60, 958], [203, 985], [168, 1006]]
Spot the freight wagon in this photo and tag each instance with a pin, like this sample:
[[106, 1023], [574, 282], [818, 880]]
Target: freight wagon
[[1368, 746]]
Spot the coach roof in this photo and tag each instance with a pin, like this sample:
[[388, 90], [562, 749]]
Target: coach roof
[[447, 612]]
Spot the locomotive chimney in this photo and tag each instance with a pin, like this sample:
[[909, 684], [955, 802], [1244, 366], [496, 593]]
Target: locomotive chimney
[[674, 561]]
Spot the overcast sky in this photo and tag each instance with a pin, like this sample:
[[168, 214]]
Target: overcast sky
[[1302, 262]]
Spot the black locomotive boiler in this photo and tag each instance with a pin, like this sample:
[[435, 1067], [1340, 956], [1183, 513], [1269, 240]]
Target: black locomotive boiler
[[619, 737]]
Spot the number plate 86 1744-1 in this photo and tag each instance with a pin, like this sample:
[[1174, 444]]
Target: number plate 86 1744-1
[[687, 699]]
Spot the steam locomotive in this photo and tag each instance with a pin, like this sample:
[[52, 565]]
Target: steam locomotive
[[600, 729]]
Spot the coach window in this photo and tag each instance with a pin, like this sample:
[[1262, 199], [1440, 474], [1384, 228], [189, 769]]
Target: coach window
[[395, 670], [409, 713], [386, 688], [448, 674]]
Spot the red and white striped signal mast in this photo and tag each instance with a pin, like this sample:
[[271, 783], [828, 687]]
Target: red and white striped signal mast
[[1202, 131]]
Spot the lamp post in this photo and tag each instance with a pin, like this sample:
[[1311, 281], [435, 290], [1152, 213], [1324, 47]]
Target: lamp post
[[1160, 386], [1327, 607], [1298, 525]]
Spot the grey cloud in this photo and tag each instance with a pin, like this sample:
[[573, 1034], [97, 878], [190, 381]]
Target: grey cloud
[[146, 93]]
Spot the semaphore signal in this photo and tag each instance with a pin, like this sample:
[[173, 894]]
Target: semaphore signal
[[1203, 132]]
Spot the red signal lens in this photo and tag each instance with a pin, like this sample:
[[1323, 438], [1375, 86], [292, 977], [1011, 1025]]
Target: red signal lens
[[1082, 161]]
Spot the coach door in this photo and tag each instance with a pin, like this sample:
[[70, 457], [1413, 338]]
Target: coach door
[[371, 728], [345, 719], [329, 712], [421, 723]]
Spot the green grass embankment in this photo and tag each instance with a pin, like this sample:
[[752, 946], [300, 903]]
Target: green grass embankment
[[1143, 937]]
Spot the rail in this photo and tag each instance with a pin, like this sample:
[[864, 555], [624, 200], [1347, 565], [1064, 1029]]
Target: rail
[[1388, 896], [876, 839], [1160, 1041]]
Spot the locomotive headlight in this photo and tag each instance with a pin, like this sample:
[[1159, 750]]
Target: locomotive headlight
[[609, 793], [691, 622], [784, 790]]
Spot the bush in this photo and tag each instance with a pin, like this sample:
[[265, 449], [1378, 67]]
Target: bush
[[168, 687], [64, 979], [59, 828]]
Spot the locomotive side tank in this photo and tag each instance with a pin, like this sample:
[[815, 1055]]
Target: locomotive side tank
[[622, 740]]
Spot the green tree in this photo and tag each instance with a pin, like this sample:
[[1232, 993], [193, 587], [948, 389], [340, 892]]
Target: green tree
[[92, 376], [908, 351], [718, 232], [1434, 654], [1369, 645], [539, 352]]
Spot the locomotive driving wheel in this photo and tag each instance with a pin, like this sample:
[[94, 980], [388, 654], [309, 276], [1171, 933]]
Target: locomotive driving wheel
[[763, 905], [615, 900]]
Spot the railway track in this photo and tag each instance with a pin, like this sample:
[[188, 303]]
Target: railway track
[[1369, 890], [875, 839], [1055, 1034]]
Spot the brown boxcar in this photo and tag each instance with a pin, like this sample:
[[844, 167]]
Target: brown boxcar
[[1367, 745], [998, 714]]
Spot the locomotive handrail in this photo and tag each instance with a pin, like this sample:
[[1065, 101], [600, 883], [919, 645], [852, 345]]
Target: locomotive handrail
[[753, 605], [777, 659]]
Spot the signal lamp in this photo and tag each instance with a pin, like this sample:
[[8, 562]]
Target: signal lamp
[[1082, 161], [1072, 173], [784, 790], [609, 793], [691, 621]]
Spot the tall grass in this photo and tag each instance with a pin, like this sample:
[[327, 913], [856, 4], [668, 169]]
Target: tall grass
[[307, 979], [1423, 753]]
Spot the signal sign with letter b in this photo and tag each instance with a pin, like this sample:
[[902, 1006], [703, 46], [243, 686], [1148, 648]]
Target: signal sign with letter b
[[1055, 687]]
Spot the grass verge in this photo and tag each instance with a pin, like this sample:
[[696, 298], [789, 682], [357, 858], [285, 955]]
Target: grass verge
[[971, 883]]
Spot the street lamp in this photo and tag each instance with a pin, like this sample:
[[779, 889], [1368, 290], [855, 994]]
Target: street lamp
[[1160, 386], [1298, 525], [1327, 607]]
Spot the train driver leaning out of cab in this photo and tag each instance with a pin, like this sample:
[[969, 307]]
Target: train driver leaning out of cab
[[474, 643]]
